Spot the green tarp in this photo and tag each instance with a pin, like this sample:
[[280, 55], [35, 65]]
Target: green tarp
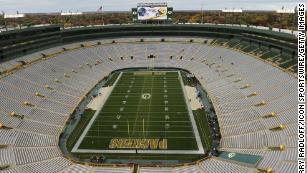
[[239, 157]]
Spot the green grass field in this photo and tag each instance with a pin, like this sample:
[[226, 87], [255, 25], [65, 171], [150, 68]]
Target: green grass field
[[165, 114]]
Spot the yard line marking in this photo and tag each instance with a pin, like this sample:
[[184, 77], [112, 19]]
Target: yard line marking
[[148, 114], [170, 137], [138, 107], [124, 131], [141, 151], [137, 125], [151, 112], [150, 121]]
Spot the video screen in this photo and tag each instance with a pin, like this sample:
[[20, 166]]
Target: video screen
[[152, 13]]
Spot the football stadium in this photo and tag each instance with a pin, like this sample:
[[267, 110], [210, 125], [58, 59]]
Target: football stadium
[[149, 96]]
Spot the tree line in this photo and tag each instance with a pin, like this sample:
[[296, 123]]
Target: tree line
[[267, 19]]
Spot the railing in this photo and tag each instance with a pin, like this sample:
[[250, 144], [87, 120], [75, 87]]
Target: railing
[[286, 31]]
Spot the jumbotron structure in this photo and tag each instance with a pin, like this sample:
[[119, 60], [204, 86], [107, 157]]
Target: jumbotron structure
[[249, 75]]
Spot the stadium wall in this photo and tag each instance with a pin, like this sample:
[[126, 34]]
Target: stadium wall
[[18, 43]]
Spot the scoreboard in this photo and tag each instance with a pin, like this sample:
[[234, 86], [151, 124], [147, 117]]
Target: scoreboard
[[152, 12]]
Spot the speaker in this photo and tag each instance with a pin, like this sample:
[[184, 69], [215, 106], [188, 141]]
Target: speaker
[[134, 12], [169, 13]]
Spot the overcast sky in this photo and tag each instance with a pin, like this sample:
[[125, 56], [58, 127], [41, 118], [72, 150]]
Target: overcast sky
[[32, 6]]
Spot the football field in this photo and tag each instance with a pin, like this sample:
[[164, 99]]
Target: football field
[[145, 111]]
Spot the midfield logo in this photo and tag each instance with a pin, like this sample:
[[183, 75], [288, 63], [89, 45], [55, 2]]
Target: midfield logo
[[146, 96]]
